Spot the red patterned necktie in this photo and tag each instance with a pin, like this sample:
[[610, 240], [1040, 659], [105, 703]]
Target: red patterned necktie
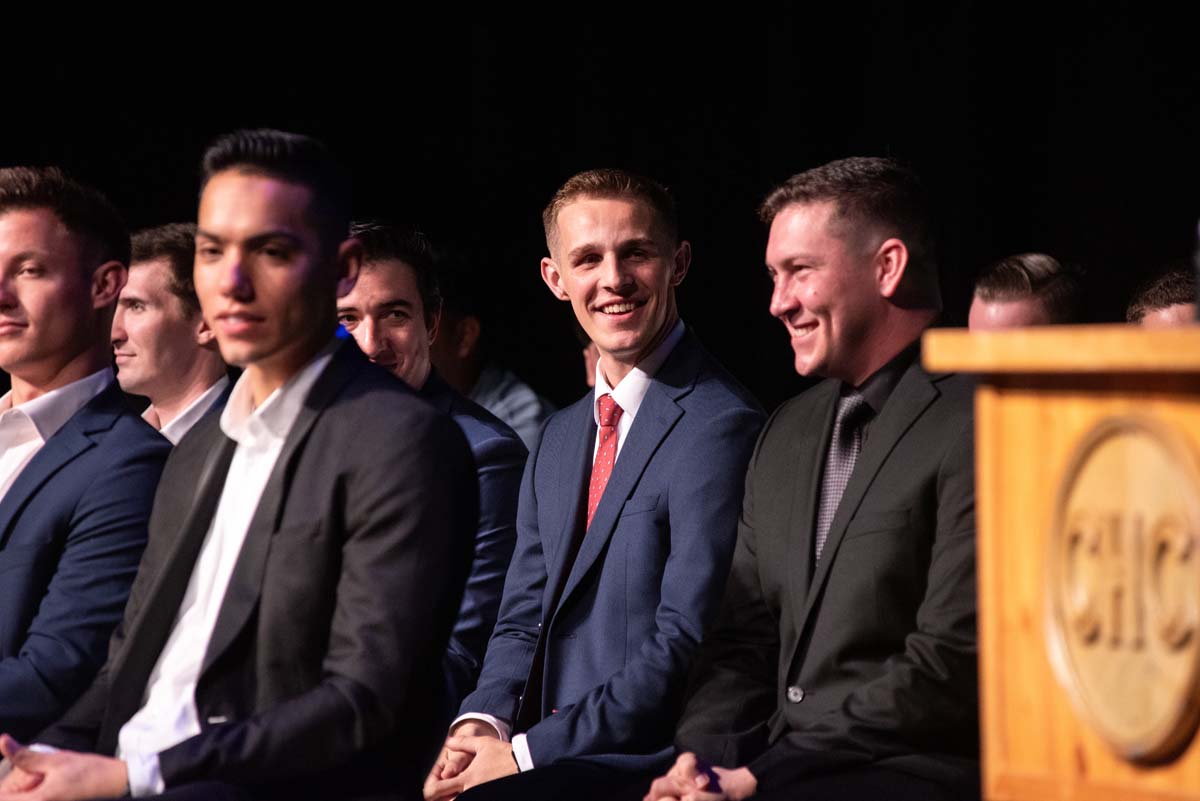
[[606, 452]]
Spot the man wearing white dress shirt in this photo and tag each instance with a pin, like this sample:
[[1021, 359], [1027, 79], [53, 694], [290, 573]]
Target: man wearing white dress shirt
[[77, 468], [308, 546], [163, 348]]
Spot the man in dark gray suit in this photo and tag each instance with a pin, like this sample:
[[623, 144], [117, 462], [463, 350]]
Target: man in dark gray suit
[[842, 664], [308, 546]]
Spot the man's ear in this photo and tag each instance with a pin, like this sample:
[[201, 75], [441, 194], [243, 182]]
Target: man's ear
[[107, 281], [682, 261], [435, 323], [469, 329], [552, 275], [891, 260], [349, 262], [205, 337]]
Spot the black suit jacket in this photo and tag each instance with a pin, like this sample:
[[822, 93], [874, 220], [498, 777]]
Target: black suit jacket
[[315, 681], [868, 656]]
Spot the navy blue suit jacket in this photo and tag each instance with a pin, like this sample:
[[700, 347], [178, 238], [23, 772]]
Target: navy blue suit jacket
[[648, 575], [72, 529], [499, 459]]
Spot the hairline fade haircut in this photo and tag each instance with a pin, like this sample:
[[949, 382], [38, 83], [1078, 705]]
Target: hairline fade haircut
[[1173, 287], [85, 212], [1058, 287], [174, 243], [610, 183], [385, 242], [292, 158], [871, 192]]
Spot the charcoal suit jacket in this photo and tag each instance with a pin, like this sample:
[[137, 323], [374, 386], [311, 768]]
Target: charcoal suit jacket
[[867, 656], [315, 682]]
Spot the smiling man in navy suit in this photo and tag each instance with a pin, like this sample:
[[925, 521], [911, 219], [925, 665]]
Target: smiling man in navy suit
[[625, 525], [77, 469]]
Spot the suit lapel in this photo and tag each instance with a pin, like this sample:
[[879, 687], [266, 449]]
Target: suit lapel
[[806, 492], [66, 444], [571, 494], [245, 584], [149, 632], [911, 397], [657, 415]]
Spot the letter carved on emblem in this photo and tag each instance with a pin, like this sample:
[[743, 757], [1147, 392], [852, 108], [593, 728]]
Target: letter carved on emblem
[[1123, 586]]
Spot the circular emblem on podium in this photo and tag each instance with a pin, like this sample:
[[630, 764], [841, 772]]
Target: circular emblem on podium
[[1123, 587]]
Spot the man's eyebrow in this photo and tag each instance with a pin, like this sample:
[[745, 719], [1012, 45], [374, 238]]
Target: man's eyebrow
[[257, 239], [581, 250], [402, 303], [793, 259], [126, 300]]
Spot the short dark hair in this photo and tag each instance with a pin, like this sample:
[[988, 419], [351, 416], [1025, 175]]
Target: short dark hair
[[383, 242], [175, 243], [614, 183], [294, 158], [871, 191], [1175, 286], [83, 210], [1059, 287]]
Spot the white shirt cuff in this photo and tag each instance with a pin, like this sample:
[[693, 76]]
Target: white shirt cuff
[[503, 730], [520, 746], [145, 776]]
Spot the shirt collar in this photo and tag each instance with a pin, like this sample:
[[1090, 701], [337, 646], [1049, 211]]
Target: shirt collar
[[51, 411], [878, 388], [631, 390], [184, 421], [270, 422]]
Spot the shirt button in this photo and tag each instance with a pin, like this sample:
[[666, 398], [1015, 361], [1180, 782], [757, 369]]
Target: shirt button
[[795, 694]]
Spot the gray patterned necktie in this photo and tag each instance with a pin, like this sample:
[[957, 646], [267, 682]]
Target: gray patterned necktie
[[844, 446]]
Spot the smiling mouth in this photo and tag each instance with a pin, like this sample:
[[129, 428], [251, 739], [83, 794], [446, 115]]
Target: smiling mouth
[[624, 307], [801, 331]]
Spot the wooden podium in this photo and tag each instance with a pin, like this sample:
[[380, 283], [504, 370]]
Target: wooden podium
[[1088, 501]]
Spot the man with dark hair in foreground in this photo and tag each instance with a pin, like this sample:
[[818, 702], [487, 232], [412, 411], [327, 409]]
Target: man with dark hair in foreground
[[308, 546], [1026, 290], [163, 348], [842, 664], [77, 468]]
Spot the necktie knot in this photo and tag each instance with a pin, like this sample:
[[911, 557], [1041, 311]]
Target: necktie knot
[[608, 410], [852, 411]]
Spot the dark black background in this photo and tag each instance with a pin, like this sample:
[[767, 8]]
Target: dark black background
[[1070, 130]]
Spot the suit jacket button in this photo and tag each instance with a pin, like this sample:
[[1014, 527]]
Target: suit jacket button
[[795, 694]]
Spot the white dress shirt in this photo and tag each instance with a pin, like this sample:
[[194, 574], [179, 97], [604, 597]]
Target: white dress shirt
[[24, 429], [183, 422], [168, 715], [629, 393]]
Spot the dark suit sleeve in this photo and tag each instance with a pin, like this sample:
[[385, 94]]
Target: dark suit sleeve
[[929, 691], [634, 709], [734, 690], [510, 649], [499, 462], [66, 640], [409, 515]]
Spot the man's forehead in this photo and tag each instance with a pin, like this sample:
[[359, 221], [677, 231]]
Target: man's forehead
[[384, 282], [235, 199], [591, 211], [149, 273]]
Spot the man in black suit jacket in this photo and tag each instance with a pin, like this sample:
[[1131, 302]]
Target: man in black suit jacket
[[843, 661], [307, 549]]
